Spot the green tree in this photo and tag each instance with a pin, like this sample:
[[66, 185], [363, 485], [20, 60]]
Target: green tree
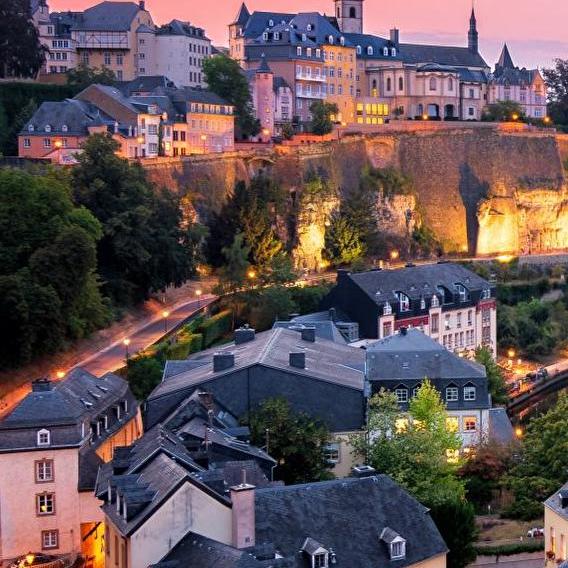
[[225, 78], [322, 112], [233, 275], [268, 305], [49, 288], [287, 131], [504, 111], [21, 53], [142, 248], [342, 241], [82, 76], [543, 462], [556, 79], [295, 440], [23, 116], [495, 379], [144, 375]]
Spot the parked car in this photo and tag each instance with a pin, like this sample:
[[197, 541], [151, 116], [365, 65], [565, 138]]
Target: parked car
[[535, 532]]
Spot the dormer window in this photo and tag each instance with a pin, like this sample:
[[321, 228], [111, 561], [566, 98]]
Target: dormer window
[[319, 556], [486, 294], [395, 543], [64, 128], [48, 127], [386, 51], [276, 36], [435, 302], [359, 50], [320, 560], [330, 40], [398, 550], [310, 27], [43, 438], [342, 40], [422, 304], [463, 292], [30, 128], [370, 50], [304, 37], [299, 51], [265, 36], [387, 309], [270, 23], [393, 51], [403, 301], [444, 293], [401, 395]]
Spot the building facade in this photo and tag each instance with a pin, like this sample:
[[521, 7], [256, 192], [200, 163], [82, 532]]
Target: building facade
[[51, 446], [556, 528], [446, 301]]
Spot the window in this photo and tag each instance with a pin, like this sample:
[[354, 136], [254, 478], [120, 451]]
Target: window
[[452, 394], [450, 84], [433, 83], [299, 50], [370, 50], [469, 393], [265, 36], [404, 301], [49, 539], [119, 59], [48, 128], [470, 424], [447, 322], [45, 504], [385, 51], [331, 453], [400, 84], [320, 560], [27, 143], [459, 319], [330, 40], [470, 317], [401, 395], [393, 51], [44, 471], [435, 323], [359, 50], [43, 436], [153, 129], [452, 424], [107, 58], [389, 84], [352, 12], [398, 549]]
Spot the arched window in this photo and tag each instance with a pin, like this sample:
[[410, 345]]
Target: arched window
[[265, 36], [338, 12], [433, 83], [420, 109], [43, 438], [310, 27], [30, 128], [48, 127], [359, 50], [342, 40], [393, 51], [352, 12], [450, 84], [370, 50], [389, 84], [400, 84], [374, 92], [64, 128], [386, 51], [330, 40], [270, 23]]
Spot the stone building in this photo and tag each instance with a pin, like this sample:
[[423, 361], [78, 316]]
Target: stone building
[[51, 446], [523, 86], [446, 301]]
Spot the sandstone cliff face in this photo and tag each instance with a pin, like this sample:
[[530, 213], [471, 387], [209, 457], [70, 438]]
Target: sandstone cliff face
[[479, 189]]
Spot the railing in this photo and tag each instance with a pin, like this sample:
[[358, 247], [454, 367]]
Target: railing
[[305, 77]]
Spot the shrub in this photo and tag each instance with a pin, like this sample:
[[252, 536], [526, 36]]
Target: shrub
[[511, 549], [144, 374], [216, 327], [185, 346]]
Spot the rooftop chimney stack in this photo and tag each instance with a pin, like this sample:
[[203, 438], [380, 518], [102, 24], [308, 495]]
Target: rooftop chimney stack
[[142, 5], [395, 36], [309, 334], [298, 360], [362, 471], [42, 385], [243, 515], [223, 361], [244, 335]]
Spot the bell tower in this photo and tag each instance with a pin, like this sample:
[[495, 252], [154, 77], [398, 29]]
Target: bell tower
[[349, 14]]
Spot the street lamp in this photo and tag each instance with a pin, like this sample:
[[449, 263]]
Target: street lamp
[[515, 116], [60, 374], [30, 557], [126, 343], [198, 294], [511, 353], [519, 432], [165, 315], [204, 139], [394, 255]]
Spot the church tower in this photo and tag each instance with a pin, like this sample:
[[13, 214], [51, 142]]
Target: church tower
[[473, 35], [349, 14]]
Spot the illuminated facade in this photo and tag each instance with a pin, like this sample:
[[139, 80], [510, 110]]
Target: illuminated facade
[[51, 446]]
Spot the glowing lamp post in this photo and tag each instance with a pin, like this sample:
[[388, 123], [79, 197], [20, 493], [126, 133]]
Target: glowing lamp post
[[394, 255], [60, 374], [126, 343], [165, 315], [204, 140], [251, 275], [30, 557], [515, 117], [519, 432], [198, 293]]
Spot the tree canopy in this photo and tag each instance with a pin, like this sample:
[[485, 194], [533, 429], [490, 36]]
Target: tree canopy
[[556, 79], [49, 292], [295, 440], [82, 76], [504, 111], [142, 248], [322, 112], [225, 78], [21, 53], [495, 379]]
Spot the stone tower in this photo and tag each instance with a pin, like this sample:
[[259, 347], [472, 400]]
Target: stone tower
[[473, 35], [349, 14]]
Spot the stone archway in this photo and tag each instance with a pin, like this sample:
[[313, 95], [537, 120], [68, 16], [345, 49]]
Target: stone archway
[[449, 112]]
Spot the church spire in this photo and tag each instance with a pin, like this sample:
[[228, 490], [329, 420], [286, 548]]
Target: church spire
[[473, 35], [505, 61]]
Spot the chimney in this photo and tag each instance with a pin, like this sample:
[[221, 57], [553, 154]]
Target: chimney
[[362, 471], [244, 335], [332, 314], [206, 399], [42, 385], [243, 515], [395, 36], [403, 331], [142, 5], [309, 334], [298, 360], [223, 361]]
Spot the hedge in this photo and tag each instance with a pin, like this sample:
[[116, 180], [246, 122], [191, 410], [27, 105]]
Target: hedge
[[184, 347], [511, 549], [216, 327], [512, 294]]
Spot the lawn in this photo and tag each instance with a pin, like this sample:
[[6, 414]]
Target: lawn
[[494, 530]]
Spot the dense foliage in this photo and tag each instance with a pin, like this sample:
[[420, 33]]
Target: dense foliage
[[414, 448], [82, 76], [21, 53], [225, 78], [142, 248], [322, 113], [295, 440], [556, 79], [543, 462], [495, 378], [49, 293], [504, 111]]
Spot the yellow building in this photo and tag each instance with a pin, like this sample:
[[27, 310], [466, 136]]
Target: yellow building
[[556, 527], [340, 66]]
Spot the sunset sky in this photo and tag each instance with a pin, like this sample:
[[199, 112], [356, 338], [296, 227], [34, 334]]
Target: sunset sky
[[535, 31]]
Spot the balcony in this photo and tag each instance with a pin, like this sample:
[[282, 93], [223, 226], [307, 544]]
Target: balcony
[[310, 95], [101, 40], [313, 78]]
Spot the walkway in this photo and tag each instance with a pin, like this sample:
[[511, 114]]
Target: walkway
[[534, 560]]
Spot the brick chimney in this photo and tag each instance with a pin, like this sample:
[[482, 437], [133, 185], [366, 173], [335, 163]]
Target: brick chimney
[[298, 359], [244, 335], [309, 334], [142, 5], [223, 361], [243, 515]]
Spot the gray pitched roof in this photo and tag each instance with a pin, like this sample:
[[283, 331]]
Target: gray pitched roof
[[258, 22], [348, 517], [444, 55], [505, 60], [555, 504], [107, 16], [377, 43], [242, 16], [500, 427], [177, 27]]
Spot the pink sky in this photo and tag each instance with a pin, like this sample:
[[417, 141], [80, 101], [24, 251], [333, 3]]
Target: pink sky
[[535, 31]]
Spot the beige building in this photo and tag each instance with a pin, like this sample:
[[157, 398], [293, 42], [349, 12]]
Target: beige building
[[51, 446], [556, 527]]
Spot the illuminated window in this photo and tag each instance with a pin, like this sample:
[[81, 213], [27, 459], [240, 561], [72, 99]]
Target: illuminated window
[[45, 504], [452, 424], [470, 424]]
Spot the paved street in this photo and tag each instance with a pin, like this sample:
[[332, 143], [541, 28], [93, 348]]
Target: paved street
[[535, 560]]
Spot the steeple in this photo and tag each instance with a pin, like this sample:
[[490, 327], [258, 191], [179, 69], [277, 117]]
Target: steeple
[[505, 61], [243, 15], [473, 35]]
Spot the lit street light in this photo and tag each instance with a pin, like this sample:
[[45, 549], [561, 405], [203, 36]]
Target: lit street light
[[165, 315], [126, 343], [519, 432], [394, 255], [60, 374], [511, 353], [198, 294]]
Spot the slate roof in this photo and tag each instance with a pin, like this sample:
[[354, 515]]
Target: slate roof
[[107, 16], [242, 16], [376, 42], [144, 85], [500, 428], [415, 356], [177, 27], [505, 59], [416, 281], [347, 516], [554, 504], [76, 115], [444, 55], [258, 22]]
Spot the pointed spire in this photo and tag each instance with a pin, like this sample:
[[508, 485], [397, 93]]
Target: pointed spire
[[473, 36], [263, 67], [242, 16], [505, 61]]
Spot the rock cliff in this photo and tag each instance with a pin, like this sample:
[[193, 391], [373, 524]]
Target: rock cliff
[[481, 189]]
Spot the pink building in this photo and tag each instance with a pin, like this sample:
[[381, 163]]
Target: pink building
[[51, 447], [261, 83]]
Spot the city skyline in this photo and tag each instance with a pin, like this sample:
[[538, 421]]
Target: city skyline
[[535, 39]]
